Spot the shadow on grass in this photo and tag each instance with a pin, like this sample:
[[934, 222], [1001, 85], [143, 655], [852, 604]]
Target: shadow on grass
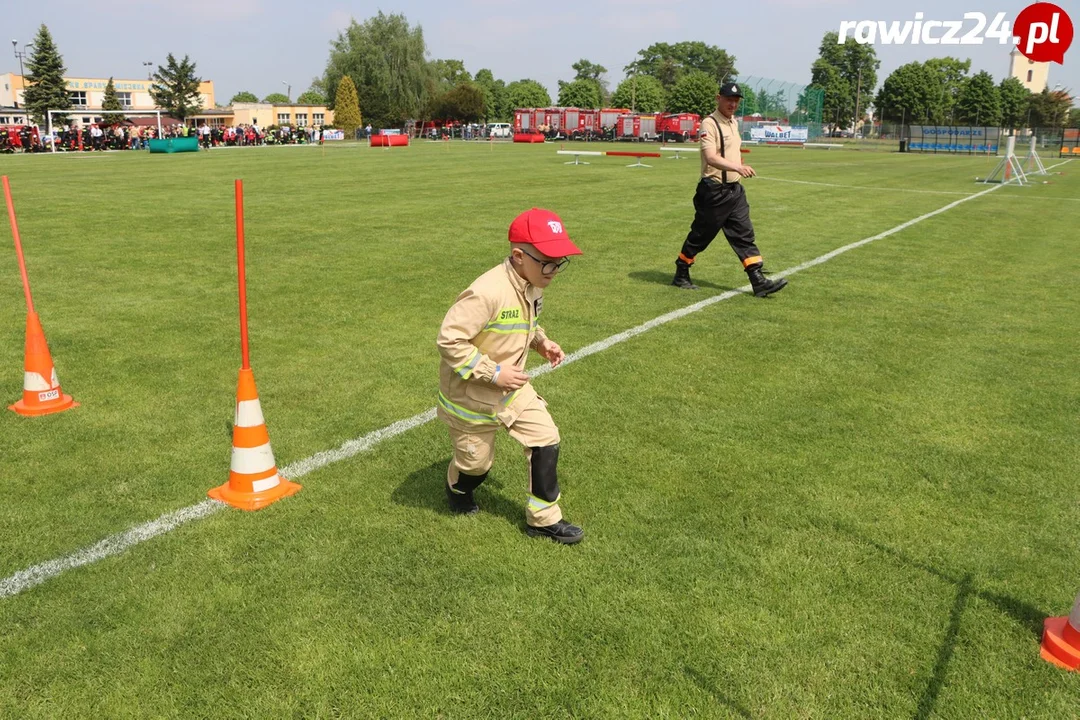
[[423, 489], [709, 686], [1025, 614], [664, 278]]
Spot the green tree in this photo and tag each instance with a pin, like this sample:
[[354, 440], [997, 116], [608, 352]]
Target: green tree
[[979, 102], [277, 99], [669, 62], [847, 74], [386, 60], [244, 97], [110, 101], [580, 93], [949, 75], [587, 71], [175, 88], [641, 93], [910, 94], [347, 107], [464, 102], [1015, 99], [494, 95], [45, 86], [1074, 118], [448, 74], [526, 94], [695, 92], [311, 97], [1049, 109]]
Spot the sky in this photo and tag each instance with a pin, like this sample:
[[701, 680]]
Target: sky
[[267, 46]]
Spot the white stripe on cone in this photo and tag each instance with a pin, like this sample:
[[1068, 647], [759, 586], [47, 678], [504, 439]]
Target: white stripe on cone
[[249, 413], [248, 461], [34, 382]]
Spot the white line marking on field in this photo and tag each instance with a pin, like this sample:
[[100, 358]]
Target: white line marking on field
[[865, 187], [116, 544]]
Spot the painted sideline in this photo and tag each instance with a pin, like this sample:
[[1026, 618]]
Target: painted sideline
[[116, 544]]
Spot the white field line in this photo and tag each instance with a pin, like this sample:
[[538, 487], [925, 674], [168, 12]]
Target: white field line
[[116, 544]]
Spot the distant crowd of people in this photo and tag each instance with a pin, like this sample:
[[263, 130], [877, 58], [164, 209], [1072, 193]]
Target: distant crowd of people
[[126, 136]]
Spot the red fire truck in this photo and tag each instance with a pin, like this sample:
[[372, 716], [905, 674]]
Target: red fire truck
[[636, 127], [678, 127]]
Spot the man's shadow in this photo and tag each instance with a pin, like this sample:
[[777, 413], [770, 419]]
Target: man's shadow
[[423, 489], [663, 278]]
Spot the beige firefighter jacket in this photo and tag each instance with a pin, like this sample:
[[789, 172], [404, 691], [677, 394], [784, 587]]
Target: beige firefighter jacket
[[493, 322]]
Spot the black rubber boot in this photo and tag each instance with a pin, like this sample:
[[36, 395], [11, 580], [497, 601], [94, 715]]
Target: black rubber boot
[[561, 532], [763, 286], [460, 497], [682, 277]]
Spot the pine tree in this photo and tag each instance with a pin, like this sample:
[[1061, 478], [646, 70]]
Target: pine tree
[[45, 86], [175, 88], [111, 102], [347, 107]]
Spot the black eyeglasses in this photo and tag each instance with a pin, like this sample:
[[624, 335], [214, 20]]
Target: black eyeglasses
[[550, 268]]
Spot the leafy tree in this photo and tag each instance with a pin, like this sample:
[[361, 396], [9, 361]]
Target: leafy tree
[[949, 75], [910, 94], [1015, 99], [847, 74], [669, 62], [464, 102], [110, 101], [641, 93], [448, 74], [277, 99], [386, 60], [1049, 108], [580, 93], [695, 92], [244, 97], [587, 71], [175, 88], [311, 97], [525, 94], [494, 95], [347, 107], [979, 102], [1074, 118], [45, 86]]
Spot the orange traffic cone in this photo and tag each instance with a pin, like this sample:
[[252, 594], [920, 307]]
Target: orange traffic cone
[[1061, 639], [253, 477], [41, 390]]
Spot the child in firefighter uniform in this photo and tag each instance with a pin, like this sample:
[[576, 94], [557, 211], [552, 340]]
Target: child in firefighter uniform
[[484, 342]]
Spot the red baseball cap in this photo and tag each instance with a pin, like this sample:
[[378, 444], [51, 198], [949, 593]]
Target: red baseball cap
[[543, 230]]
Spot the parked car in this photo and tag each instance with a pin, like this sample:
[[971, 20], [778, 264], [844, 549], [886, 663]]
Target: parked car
[[500, 130]]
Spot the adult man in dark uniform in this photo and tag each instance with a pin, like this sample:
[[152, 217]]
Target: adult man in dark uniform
[[720, 201]]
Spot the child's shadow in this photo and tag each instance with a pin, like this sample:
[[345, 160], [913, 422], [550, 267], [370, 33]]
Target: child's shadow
[[423, 489]]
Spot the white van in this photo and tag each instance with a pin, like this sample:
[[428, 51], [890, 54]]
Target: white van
[[500, 130]]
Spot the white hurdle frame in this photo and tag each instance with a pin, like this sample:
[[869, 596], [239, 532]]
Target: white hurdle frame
[[576, 153]]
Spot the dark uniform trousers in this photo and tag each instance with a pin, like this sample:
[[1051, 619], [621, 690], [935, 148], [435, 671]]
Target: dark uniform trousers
[[721, 207]]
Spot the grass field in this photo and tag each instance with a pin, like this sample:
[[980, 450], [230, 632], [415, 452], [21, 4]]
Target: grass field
[[854, 499]]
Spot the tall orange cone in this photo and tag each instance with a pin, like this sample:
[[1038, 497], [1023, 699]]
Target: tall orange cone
[[254, 481], [41, 390], [1061, 639]]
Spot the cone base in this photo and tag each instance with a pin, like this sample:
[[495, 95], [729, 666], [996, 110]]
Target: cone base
[[254, 501], [65, 403], [1055, 648]]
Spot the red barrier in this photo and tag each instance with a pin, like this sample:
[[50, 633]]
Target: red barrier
[[389, 140], [633, 154], [528, 138]]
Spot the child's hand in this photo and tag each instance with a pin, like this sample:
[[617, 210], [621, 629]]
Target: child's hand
[[550, 351]]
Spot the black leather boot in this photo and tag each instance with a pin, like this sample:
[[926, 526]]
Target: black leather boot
[[763, 286], [682, 277], [460, 497]]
